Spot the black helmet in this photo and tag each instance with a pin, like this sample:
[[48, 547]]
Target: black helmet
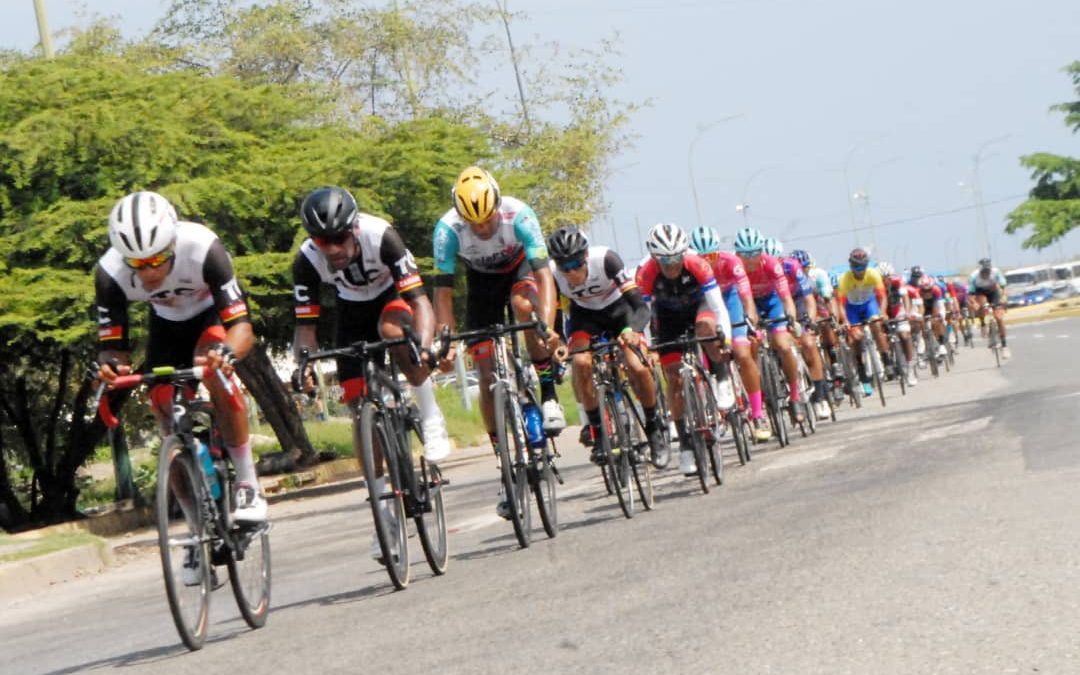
[[567, 243], [859, 257], [328, 211]]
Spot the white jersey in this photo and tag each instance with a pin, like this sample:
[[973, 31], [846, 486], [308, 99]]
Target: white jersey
[[184, 293], [383, 261], [517, 238], [604, 284]]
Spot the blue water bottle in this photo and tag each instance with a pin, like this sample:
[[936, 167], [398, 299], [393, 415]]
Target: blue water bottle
[[534, 425], [209, 470]]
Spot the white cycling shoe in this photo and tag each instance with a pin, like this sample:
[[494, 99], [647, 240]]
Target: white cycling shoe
[[911, 379], [821, 409], [725, 396], [554, 418], [687, 464], [250, 505], [436, 440]]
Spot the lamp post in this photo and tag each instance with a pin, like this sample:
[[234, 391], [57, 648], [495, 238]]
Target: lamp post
[[976, 188], [701, 129], [743, 206], [865, 193], [848, 194], [43, 29]]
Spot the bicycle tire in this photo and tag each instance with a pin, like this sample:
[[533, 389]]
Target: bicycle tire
[[641, 467], [663, 416], [431, 517], [389, 522], [714, 423], [931, 352], [616, 480], [900, 365], [851, 376], [994, 340], [175, 460], [694, 417], [250, 577], [875, 368], [509, 428], [739, 436], [545, 491], [770, 374]]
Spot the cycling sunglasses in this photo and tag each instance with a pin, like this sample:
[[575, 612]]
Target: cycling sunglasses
[[151, 262], [331, 239], [859, 268], [570, 265], [666, 260]]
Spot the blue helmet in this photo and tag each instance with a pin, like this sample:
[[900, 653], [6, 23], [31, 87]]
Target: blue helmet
[[802, 257], [773, 247], [749, 240], [704, 240]]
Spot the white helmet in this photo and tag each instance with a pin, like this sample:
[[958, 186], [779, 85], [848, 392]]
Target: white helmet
[[885, 268], [142, 224], [667, 239]]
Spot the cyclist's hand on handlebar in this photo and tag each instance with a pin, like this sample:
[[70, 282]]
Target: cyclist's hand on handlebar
[[561, 353], [630, 338], [108, 372], [446, 364], [218, 358], [552, 341]]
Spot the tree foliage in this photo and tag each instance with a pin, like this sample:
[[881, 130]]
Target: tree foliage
[[1053, 206]]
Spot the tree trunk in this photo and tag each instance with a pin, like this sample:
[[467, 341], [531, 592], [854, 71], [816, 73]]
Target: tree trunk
[[258, 375], [12, 512]]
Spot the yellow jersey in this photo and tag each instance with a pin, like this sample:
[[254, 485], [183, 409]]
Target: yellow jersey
[[861, 291]]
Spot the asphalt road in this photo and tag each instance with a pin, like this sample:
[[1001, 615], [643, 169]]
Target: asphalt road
[[936, 535]]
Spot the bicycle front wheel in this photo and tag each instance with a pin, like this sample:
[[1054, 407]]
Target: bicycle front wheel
[[714, 423], [696, 425], [249, 574], [544, 482], [377, 455], [511, 439], [617, 457], [183, 541]]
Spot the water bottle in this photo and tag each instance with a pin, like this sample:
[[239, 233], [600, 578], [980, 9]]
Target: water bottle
[[209, 469], [534, 425], [624, 415]]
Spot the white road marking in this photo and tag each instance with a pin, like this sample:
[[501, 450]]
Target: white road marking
[[488, 518], [1038, 336], [1072, 395], [954, 430], [1063, 337]]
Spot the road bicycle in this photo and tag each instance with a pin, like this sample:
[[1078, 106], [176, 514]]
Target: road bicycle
[[871, 359], [193, 507], [526, 453], [896, 350], [384, 422], [621, 435]]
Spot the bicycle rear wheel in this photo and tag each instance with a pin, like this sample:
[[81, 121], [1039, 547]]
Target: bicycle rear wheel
[[377, 455], [544, 481], [770, 379], [851, 375], [431, 519], [876, 367], [931, 351], [994, 341], [714, 423], [900, 364], [183, 541], [249, 574], [510, 435]]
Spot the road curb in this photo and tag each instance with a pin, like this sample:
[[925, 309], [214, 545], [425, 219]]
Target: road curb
[[21, 578]]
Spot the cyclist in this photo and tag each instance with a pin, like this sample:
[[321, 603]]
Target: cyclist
[[603, 298], [899, 309], [499, 240], [379, 292], [806, 307], [933, 306], [684, 295], [987, 287], [735, 285], [198, 314], [772, 298], [825, 299], [861, 297]]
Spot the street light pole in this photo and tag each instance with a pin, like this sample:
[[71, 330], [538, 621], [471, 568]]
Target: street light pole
[[701, 129], [866, 196], [43, 29], [743, 206], [980, 211]]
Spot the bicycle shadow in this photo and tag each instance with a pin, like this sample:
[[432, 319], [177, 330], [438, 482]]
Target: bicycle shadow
[[145, 657]]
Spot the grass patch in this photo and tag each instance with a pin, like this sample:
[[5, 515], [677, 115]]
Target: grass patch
[[50, 543]]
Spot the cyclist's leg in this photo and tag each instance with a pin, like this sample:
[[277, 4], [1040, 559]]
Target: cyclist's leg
[[486, 296], [584, 387], [396, 313], [524, 300]]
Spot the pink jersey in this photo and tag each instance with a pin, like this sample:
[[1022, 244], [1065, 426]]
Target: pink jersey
[[730, 271], [768, 278]]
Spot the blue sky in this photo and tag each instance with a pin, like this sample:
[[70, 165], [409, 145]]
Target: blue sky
[[908, 91]]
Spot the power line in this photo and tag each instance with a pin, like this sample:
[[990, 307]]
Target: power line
[[909, 219]]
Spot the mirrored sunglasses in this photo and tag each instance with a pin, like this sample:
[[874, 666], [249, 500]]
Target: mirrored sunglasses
[[570, 265], [151, 262], [331, 240]]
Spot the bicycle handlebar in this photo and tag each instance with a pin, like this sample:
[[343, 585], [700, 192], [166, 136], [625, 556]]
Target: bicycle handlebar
[[159, 375]]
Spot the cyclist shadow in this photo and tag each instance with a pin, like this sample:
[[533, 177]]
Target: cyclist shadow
[[344, 597], [149, 656]]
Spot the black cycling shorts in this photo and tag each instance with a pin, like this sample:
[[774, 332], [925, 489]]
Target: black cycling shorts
[[487, 295], [992, 295], [359, 321], [593, 322], [173, 343]]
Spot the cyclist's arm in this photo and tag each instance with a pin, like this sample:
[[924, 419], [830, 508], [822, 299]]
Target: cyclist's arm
[[527, 231], [446, 249], [882, 295], [407, 280], [545, 283], [228, 299], [306, 287], [112, 311]]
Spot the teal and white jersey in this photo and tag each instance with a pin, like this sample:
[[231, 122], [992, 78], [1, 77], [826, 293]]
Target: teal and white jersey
[[821, 281], [977, 282], [517, 238]]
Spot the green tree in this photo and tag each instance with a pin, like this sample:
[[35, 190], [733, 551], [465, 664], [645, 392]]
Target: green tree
[[1053, 205]]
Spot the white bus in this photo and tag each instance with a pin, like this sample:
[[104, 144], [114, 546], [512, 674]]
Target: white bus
[[1067, 278], [1030, 285]]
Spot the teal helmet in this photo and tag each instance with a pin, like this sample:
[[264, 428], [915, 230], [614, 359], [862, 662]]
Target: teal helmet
[[704, 240]]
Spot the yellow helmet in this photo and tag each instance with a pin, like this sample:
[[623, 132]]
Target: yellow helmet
[[476, 195]]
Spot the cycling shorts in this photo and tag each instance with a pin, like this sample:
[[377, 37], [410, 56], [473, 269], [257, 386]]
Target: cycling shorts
[[735, 312], [359, 321], [487, 295], [772, 308], [672, 325], [863, 312], [992, 295], [174, 343], [586, 323]]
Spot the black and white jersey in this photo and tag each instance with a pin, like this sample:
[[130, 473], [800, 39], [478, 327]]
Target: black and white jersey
[[604, 284], [383, 261], [200, 277]]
